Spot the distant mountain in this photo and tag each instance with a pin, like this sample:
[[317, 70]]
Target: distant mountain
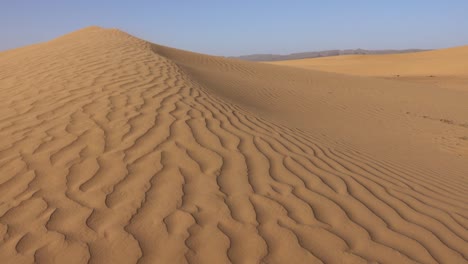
[[315, 54]]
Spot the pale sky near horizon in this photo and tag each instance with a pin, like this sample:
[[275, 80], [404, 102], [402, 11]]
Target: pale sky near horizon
[[232, 28]]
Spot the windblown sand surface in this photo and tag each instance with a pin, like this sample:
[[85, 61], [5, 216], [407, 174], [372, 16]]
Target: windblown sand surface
[[446, 68], [115, 150]]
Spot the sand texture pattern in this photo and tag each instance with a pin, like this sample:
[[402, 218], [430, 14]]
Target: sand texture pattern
[[116, 150]]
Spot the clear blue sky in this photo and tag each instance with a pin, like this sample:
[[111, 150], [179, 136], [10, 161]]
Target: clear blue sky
[[246, 27]]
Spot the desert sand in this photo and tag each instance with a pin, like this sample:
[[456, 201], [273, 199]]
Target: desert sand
[[444, 68], [117, 150]]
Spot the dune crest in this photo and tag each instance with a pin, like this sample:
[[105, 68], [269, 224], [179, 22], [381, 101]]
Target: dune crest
[[116, 150], [444, 68]]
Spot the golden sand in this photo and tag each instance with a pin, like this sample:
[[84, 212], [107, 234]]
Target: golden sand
[[116, 150]]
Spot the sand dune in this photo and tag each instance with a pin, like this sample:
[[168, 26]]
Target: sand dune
[[116, 150], [316, 54], [445, 68]]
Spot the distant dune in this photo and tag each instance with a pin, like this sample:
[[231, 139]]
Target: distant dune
[[117, 150], [444, 68], [316, 54]]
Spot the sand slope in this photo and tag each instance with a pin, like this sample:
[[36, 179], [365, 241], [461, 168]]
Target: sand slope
[[447, 62], [445, 68], [115, 150]]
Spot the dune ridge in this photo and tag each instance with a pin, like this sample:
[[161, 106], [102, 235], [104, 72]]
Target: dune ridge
[[317, 54], [116, 150], [448, 61], [444, 68]]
